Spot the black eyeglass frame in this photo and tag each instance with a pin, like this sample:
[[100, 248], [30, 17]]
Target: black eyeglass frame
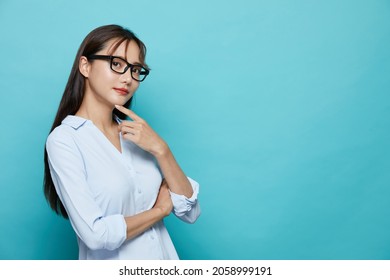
[[143, 71]]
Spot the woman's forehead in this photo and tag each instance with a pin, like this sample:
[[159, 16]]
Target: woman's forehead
[[116, 44], [124, 48]]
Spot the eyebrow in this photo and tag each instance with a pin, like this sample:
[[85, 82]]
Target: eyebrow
[[134, 63]]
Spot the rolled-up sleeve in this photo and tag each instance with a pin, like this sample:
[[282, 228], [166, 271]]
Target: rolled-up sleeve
[[69, 176], [187, 209]]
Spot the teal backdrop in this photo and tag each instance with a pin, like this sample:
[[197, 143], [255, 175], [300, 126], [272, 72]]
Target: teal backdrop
[[280, 109]]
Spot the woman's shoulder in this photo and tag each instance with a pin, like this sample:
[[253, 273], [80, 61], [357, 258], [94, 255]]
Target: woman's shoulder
[[67, 129]]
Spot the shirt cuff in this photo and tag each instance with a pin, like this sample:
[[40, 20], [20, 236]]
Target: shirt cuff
[[182, 204], [116, 231]]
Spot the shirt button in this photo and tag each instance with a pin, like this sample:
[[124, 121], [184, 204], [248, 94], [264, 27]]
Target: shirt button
[[139, 191], [152, 237]]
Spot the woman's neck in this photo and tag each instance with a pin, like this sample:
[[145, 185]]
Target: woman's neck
[[100, 114]]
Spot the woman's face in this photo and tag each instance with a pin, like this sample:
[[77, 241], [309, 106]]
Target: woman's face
[[105, 85]]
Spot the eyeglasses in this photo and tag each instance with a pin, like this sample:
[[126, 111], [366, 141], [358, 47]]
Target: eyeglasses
[[120, 66]]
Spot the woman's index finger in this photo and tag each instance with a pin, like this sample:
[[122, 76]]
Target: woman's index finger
[[128, 113]]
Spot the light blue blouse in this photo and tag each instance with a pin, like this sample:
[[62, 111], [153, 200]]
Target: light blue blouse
[[99, 186]]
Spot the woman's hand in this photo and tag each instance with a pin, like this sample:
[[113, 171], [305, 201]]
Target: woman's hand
[[140, 133], [164, 201]]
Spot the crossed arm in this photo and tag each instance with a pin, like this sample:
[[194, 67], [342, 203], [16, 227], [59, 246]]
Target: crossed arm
[[141, 134]]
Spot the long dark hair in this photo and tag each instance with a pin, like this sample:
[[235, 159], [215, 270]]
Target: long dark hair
[[73, 95]]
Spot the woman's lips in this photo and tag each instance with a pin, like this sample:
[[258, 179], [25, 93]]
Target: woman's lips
[[121, 91]]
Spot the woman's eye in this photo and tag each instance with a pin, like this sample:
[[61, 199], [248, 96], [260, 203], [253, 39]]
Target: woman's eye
[[116, 64], [136, 70]]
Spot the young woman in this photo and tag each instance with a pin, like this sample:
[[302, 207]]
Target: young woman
[[114, 178]]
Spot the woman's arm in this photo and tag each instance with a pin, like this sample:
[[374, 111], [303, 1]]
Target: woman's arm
[[139, 223], [177, 180], [141, 134]]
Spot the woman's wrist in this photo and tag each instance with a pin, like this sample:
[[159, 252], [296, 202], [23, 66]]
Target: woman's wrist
[[162, 151]]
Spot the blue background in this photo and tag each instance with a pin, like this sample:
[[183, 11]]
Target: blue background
[[280, 109]]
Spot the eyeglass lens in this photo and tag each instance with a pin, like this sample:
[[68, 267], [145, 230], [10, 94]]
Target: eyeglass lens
[[120, 66]]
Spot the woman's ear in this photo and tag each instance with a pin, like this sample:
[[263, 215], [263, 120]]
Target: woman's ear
[[84, 66]]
